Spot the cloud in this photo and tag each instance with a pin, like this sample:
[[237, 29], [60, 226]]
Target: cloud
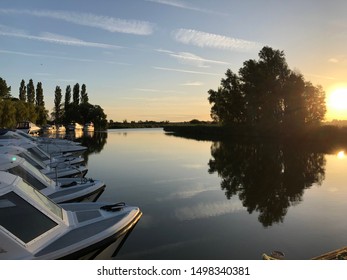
[[110, 24], [185, 71], [209, 40], [52, 38], [333, 60], [191, 59], [183, 5], [63, 57], [193, 84]]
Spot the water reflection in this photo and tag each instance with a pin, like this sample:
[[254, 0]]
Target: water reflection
[[267, 178], [94, 141]]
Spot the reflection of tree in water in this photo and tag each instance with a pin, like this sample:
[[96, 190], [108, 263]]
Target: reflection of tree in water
[[268, 178], [95, 143]]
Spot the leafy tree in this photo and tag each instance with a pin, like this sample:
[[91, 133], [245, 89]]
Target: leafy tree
[[7, 114], [93, 113], [22, 111], [315, 104], [228, 100], [4, 89], [76, 94], [58, 113], [40, 105], [84, 95], [23, 91], [266, 95], [31, 92]]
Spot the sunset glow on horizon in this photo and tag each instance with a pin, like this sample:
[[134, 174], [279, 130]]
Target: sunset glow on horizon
[[336, 102]]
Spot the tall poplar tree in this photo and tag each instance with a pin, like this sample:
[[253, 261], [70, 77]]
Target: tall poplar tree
[[31, 92], [40, 105], [23, 91], [67, 99], [57, 105], [84, 95], [76, 94], [39, 95]]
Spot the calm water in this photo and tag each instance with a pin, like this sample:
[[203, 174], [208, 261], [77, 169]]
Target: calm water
[[214, 200]]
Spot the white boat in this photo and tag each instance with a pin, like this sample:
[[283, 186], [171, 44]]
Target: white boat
[[60, 190], [61, 129], [28, 127], [51, 146], [49, 128], [53, 171], [75, 126], [89, 126], [34, 227], [40, 154]]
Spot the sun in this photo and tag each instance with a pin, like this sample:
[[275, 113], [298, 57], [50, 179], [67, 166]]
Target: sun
[[338, 99]]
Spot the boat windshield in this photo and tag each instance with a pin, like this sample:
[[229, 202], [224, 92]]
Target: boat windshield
[[44, 201], [29, 158], [22, 219], [25, 135], [37, 172], [27, 177], [38, 154]]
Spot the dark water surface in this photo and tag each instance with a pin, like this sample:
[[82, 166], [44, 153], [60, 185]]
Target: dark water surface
[[222, 200]]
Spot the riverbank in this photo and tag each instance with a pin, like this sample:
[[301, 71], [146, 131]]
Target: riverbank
[[325, 136]]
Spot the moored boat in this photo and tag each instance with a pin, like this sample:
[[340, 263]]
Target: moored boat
[[51, 146], [89, 126], [34, 227], [53, 171], [75, 126], [61, 190], [28, 127]]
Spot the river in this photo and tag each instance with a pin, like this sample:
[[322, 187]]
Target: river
[[221, 200]]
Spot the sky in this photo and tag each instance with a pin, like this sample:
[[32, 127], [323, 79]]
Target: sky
[[157, 59]]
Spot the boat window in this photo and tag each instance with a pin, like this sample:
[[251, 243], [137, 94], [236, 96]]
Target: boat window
[[38, 153], [36, 171], [31, 160], [44, 201], [25, 135], [22, 219], [23, 125], [27, 177], [11, 136]]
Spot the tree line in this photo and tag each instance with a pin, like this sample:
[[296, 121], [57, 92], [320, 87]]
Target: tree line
[[266, 95], [30, 106]]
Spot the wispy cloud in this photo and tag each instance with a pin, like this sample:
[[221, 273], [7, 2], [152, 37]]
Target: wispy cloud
[[110, 24], [333, 60], [183, 5], [192, 59], [61, 57], [338, 59], [52, 38], [209, 40], [185, 71], [193, 84]]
